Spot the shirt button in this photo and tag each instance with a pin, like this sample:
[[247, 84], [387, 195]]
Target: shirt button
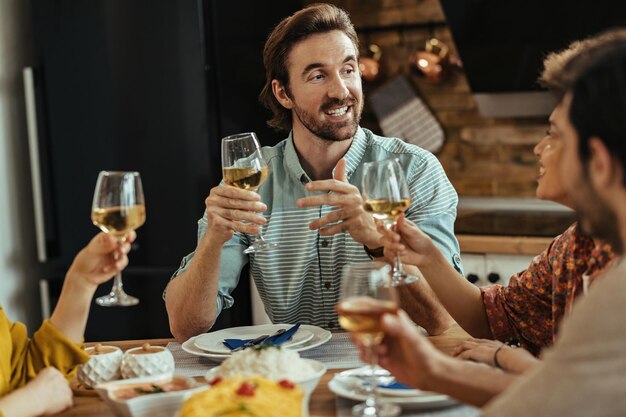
[[327, 285], [457, 259], [325, 243]]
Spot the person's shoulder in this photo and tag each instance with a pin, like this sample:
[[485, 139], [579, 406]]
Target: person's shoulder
[[572, 241], [274, 152], [392, 146]]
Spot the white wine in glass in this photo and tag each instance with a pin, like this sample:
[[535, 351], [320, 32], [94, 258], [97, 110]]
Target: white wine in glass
[[367, 293], [243, 167], [386, 194], [118, 208]]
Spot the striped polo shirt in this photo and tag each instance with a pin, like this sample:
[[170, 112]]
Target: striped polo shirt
[[299, 280]]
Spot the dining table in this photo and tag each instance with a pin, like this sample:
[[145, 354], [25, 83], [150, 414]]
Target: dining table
[[323, 402]]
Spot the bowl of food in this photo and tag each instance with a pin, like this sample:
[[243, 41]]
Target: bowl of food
[[154, 396], [103, 365], [246, 396], [272, 363], [146, 361]]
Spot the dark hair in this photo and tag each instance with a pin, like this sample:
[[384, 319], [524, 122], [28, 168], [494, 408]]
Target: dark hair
[[316, 18], [598, 107], [558, 76]]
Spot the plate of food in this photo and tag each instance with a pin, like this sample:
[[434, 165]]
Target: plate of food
[[284, 366], [148, 396]]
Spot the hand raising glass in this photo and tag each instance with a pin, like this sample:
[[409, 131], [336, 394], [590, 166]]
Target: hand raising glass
[[367, 294], [243, 167], [386, 194], [118, 208]]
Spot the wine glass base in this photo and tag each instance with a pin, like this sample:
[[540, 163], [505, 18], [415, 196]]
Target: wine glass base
[[260, 246], [379, 410], [402, 278], [115, 300]]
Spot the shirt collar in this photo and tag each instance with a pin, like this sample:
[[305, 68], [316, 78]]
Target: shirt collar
[[353, 157], [292, 163], [355, 154]]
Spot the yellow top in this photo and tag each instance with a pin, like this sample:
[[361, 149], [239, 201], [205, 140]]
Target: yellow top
[[22, 358]]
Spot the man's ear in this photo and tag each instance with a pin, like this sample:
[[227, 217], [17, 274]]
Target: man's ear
[[280, 92], [604, 169]]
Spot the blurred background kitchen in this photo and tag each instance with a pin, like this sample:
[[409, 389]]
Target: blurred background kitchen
[[152, 86]]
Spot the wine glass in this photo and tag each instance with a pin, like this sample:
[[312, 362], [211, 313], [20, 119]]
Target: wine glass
[[367, 293], [118, 207], [243, 167], [386, 194]]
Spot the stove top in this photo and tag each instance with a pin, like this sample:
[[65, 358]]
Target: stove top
[[514, 223]]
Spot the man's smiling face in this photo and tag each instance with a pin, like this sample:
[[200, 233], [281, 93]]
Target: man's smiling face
[[325, 86]]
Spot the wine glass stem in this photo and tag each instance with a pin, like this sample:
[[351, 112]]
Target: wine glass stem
[[372, 391], [258, 238], [118, 287], [397, 268]]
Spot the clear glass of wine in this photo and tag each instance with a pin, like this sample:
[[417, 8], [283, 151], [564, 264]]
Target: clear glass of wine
[[386, 194], [243, 167], [367, 293], [118, 208]]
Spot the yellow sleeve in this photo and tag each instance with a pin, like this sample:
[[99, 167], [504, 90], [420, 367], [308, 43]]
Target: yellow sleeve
[[48, 347]]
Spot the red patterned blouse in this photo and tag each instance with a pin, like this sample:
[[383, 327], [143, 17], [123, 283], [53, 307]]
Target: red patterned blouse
[[532, 306]]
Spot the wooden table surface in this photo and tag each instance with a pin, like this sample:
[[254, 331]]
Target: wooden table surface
[[322, 402]]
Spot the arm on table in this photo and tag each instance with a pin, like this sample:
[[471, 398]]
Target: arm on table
[[191, 298]]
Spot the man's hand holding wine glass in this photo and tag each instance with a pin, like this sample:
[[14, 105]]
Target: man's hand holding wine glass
[[243, 170], [230, 210]]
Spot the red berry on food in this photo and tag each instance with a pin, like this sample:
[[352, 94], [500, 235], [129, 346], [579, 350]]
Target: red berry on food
[[285, 383], [246, 389], [216, 380]]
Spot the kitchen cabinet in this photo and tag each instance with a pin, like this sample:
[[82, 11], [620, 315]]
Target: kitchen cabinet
[[148, 86]]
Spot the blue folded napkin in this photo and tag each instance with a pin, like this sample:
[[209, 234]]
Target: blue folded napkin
[[395, 385], [274, 340]]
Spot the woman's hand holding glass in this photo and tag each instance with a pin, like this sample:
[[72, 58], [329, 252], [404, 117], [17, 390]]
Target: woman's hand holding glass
[[386, 194], [118, 208], [367, 294], [407, 242]]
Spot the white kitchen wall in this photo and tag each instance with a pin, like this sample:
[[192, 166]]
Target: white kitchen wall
[[19, 269]]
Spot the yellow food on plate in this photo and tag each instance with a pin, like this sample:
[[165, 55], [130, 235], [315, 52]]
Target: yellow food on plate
[[246, 397]]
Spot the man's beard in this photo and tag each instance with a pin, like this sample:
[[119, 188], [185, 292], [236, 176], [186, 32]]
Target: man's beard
[[596, 219], [331, 131]]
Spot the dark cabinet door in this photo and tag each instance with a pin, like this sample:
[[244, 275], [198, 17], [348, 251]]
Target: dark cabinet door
[[124, 85], [148, 86]]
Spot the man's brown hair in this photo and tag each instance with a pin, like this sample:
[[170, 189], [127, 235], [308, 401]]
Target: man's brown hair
[[560, 70], [314, 19]]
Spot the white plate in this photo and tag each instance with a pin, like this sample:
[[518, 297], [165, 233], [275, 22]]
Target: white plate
[[320, 336], [213, 342], [354, 378], [421, 401], [190, 347]]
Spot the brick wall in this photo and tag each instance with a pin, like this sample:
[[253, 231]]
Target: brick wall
[[482, 156]]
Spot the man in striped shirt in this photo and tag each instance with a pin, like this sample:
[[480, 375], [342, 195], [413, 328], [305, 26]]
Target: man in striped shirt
[[310, 204]]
